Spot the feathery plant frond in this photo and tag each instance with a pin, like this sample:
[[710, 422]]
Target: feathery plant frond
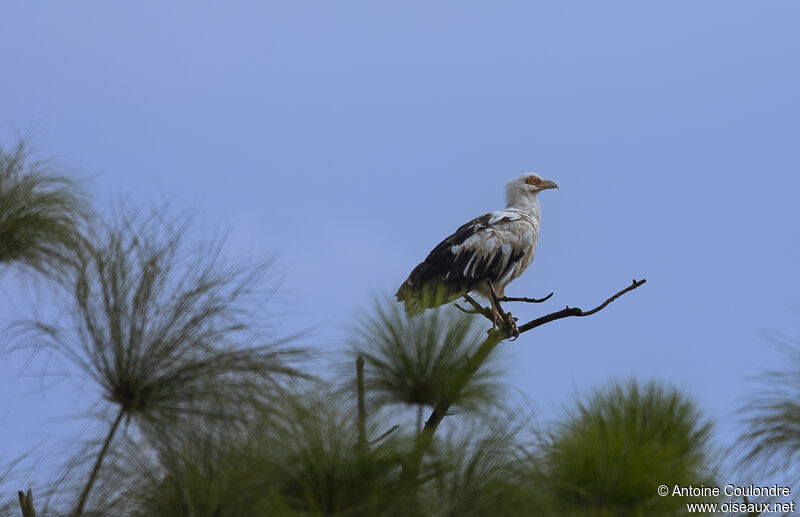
[[613, 449], [42, 213], [210, 473], [415, 360], [304, 463], [480, 472], [9, 502], [771, 444], [318, 469], [168, 332]]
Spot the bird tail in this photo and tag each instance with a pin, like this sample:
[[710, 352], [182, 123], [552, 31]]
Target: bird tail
[[411, 302], [417, 299]]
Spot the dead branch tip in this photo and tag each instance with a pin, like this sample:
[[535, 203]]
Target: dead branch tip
[[26, 503]]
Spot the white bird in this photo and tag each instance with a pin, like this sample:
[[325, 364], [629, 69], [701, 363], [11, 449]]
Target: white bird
[[493, 248]]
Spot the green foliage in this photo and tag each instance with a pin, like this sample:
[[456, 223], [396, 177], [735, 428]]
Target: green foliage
[[480, 471], [41, 214], [770, 446], [208, 418], [612, 451], [167, 332], [317, 468], [417, 359], [304, 462], [212, 474]]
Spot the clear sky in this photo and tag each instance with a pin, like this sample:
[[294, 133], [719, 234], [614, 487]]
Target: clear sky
[[351, 137]]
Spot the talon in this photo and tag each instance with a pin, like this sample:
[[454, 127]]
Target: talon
[[510, 324]]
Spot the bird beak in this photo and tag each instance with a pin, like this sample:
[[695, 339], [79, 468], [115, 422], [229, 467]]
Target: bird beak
[[549, 184]]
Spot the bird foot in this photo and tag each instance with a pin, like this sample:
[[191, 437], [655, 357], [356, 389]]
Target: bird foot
[[506, 322], [510, 326]]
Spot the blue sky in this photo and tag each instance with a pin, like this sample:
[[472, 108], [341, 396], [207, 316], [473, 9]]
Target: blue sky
[[350, 137]]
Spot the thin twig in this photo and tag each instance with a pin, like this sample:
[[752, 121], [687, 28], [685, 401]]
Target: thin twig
[[526, 300], [473, 363], [478, 307], [575, 311], [465, 311], [384, 435], [26, 503]]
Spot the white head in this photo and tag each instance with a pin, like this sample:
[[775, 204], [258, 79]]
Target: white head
[[523, 190]]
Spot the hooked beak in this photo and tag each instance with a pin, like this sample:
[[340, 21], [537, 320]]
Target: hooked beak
[[549, 184]]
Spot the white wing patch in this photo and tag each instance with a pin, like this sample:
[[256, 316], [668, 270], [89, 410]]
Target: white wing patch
[[509, 232], [503, 214], [466, 269]]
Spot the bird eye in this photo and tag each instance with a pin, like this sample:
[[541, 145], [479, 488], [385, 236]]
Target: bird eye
[[531, 180]]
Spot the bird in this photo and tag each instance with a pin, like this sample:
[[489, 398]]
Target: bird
[[483, 255]]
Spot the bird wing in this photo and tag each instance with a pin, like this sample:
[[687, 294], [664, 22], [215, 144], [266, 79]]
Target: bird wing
[[495, 246]]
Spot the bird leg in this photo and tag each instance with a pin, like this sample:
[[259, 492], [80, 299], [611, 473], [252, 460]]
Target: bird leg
[[501, 318], [497, 315]]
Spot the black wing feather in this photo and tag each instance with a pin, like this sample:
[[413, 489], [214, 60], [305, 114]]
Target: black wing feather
[[444, 270]]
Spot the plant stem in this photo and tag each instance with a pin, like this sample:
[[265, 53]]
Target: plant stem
[[93, 476], [425, 437], [362, 409], [26, 504]]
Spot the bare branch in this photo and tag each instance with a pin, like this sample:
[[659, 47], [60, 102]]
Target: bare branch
[[575, 311], [526, 300], [465, 311], [478, 307], [473, 363]]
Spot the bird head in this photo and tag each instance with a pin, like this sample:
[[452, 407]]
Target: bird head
[[527, 186]]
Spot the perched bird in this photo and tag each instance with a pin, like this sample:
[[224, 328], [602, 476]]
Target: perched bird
[[493, 248]]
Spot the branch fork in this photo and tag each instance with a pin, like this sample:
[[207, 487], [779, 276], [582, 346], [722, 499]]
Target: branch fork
[[496, 335], [26, 503], [507, 323]]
